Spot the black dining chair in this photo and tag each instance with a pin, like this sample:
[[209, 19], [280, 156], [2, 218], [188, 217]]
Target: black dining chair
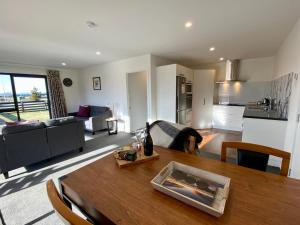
[[256, 156]]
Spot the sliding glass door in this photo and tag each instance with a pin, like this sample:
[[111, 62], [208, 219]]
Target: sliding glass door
[[8, 108], [23, 97]]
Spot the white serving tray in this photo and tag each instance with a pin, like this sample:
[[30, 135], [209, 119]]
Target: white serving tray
[[218, 205]]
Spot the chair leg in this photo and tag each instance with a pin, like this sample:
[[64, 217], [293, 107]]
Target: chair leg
[[6, 175]]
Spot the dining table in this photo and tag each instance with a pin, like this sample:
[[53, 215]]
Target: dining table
[[108, 194]]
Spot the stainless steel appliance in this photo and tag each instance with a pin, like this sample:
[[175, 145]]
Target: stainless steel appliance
[[232, 72], [183, 101], [189, 87]]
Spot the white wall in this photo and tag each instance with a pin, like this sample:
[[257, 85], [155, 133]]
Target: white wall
[[71, 93], [288, 60], [252, 70], [256, 69], [114, 88]]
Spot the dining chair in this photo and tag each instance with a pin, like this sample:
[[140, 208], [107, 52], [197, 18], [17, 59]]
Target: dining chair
[[256, 156], [65, 213]]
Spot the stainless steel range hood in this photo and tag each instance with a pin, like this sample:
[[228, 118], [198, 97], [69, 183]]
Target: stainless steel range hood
[[232, 71]]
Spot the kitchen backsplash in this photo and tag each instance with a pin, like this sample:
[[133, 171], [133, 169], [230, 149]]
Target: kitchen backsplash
[[281, 90], [242, 92], [252, 91]]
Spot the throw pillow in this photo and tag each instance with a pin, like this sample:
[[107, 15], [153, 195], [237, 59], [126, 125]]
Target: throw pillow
[[84, 111]]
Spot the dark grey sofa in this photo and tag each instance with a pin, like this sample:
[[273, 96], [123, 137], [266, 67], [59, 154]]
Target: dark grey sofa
[[24, 145], [97, 119]]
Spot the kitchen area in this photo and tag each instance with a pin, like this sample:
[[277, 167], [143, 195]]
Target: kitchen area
[[239, 96], [257, 109]]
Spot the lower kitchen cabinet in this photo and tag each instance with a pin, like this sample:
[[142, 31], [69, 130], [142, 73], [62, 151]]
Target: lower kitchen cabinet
[[228, 117], [266, 132]]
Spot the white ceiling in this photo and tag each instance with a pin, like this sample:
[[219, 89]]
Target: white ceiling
[[46, 33]]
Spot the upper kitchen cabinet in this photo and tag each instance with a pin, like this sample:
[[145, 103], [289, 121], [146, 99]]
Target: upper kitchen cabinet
[[186, 72], [174, 93]]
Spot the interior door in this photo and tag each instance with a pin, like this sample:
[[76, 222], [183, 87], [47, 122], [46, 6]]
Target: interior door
[[137, 99]]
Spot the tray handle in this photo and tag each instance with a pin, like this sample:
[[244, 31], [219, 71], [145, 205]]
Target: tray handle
[[163, 172]]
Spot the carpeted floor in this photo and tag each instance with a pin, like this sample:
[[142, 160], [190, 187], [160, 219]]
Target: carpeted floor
[[23, 197]]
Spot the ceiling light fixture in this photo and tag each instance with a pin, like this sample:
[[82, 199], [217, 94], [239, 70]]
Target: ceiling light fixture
[[212, 49], [91, 24], [188, 24], [221, 59], [98, 53], [63, 64]]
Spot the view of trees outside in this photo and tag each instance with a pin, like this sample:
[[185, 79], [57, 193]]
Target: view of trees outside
[[31, 96]]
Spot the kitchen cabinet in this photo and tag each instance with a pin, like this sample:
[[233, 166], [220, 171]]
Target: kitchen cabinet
[[166, 91], [186, 72], [266, 132], [228, 117], [203, 91]]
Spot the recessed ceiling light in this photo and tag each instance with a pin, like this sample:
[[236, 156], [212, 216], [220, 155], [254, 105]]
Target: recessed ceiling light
[[188, 24], [212, 49], [91, 24], [98, 53], [221, 59], [63, 64]]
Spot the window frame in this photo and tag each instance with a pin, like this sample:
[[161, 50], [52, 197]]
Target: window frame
[[16, 109]]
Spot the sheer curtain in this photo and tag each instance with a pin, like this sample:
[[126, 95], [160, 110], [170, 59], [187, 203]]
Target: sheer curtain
[[56, 93]]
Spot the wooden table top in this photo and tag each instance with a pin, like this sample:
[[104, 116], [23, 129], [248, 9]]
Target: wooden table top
[[125, 195]]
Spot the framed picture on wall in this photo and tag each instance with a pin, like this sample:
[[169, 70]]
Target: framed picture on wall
[[96, 83]]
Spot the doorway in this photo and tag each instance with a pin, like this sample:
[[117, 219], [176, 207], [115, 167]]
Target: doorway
[[137, 99]]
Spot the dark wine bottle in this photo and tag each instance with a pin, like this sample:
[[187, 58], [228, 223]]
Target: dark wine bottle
[[148, 143]]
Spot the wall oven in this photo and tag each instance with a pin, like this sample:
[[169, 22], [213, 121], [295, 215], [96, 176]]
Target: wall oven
[[189, 101], [188, 87]]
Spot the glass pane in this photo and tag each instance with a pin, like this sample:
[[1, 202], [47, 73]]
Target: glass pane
[[32, 98], [6, 101], [6, 93]]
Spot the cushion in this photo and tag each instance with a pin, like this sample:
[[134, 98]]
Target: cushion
[[22, 127], [83, 118], [98, 110], [84, 111], [60, 121], [21, 122]]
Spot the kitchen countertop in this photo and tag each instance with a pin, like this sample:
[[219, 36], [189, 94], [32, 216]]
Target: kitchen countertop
[[262, 114]]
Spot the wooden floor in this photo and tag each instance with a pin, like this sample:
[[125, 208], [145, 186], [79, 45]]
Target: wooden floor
[[213, 138]]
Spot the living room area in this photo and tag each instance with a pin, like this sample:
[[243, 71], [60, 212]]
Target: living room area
[[88, 87]]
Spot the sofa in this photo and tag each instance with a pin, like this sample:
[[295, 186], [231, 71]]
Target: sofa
[[94, 117], [23, 145]]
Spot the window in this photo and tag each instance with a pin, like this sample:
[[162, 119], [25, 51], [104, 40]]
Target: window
[[23, 97]]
